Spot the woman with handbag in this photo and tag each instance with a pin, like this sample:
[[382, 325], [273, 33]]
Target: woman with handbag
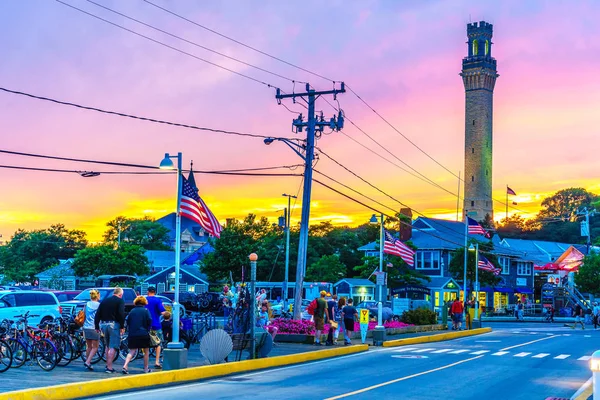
[[139, 322], [91, 335]]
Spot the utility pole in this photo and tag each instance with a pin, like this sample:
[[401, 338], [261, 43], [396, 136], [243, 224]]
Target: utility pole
[[119, 238], [287, 250], [312, 127], [585, 227]]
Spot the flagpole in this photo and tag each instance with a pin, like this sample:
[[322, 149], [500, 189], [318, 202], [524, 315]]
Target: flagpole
[[507, 204], [476, 281], [465, 266], [175, 343], [458, 197]]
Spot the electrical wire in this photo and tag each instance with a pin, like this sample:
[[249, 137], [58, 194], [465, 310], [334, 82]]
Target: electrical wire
[[120, 114], [168, 46], [195, 44], [240, 43]]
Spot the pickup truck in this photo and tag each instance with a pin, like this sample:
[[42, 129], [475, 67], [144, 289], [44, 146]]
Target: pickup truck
[[72, 307]]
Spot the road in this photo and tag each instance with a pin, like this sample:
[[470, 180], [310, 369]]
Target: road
[[515, 361]]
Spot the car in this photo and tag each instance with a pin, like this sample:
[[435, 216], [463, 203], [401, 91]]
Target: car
[[71, 308], [43, 306], [186, 299], [10, 288], [371, 305], [63, 295]]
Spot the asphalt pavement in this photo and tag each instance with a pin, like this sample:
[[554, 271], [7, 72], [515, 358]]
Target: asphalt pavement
[[515, 361]]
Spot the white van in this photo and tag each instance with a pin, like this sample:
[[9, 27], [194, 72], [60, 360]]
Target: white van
[[42, 304]]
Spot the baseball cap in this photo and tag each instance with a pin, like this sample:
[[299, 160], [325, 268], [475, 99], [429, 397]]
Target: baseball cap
[[323, 293]]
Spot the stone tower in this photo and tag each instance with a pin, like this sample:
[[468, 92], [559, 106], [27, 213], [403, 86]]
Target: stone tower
[[479, 77]]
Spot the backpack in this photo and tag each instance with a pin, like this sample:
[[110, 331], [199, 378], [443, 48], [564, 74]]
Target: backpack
[[312, 307]]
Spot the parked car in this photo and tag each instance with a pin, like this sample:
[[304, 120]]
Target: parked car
[[43, 306], [63, 295], [371, 305], [10, 288], [72, 307], [186, 299]]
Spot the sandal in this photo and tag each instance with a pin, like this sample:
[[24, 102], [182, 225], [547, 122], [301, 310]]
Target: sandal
[[148, 371], [124, 371], [157, 366]]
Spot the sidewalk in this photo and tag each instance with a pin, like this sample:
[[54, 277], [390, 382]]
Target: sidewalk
[[31, 376]]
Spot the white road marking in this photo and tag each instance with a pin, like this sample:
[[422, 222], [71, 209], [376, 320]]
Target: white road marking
[[533, 341], [533, 333], [487, 341], [562, 357], [566, 334], [541, 355], [458, 351], [584, 358], [522, 354], [480, 352], [409, 356], [587, 335], [422, 350], [500, 353], [441, 351], [405, 349]]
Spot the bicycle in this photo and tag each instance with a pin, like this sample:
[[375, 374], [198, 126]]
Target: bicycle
[[29, 345]]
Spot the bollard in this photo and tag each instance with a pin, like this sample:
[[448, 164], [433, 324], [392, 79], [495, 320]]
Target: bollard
[[595, 367], [445, 315]]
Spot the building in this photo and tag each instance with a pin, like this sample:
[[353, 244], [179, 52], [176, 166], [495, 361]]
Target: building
[[479, 78], [357, 289]]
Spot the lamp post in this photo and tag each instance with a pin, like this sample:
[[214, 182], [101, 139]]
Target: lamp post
[[253, 257], [287, 251], [379, 332], [175, 355], [476, 249]]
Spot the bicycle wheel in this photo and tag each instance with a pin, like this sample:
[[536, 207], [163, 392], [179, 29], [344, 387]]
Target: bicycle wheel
[[19, 352], [6, 356], [65, 351], [97, 357], [45, 354], [124, 350]]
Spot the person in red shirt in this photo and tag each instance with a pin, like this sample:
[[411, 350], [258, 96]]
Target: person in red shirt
[[457, 314]]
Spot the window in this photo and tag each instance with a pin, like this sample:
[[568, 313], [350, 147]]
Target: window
[[128, 295], [472, 204], [44, 299], [523, 268], [472, 178], [26, 299], [505, 265], [486, 172], [428, 260], [473, 150], [475, 47], [9, 300], [473, 122], [487, 47]]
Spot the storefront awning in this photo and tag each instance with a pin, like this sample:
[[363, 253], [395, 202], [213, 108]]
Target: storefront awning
[[523, 290], [486, 289], [503, 290]]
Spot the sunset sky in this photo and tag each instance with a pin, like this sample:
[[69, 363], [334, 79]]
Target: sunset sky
[[403, 57]]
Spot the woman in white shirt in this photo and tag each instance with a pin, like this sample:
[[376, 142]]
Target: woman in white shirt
[[91, 335]]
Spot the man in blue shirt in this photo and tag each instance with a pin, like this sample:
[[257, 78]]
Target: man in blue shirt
[[156, 308]]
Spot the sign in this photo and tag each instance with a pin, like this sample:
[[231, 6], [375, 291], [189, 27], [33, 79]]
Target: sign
[[380, 278], [554, 278], [364, 323], [521, 281]]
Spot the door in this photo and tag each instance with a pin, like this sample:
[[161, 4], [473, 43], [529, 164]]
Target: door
[[27, 302]]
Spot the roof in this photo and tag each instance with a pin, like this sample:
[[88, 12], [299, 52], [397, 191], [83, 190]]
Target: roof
[[191, 271], [63, 269], [441, 281], [433, 233], [355, 282], [538, 251], [168, 221], [369, 247]]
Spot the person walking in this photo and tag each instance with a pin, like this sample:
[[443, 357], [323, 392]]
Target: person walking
[[139, 323], [457, 309], [339, 319], [578, 317], [264, 321], [110, 319], [321, 312], [332, 311], [550, 316], [520, 309], [91, 335], [596, 314], [156, 309], [349, 315]]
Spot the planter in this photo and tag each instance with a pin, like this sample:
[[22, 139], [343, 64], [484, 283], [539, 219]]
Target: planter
[[295, 338], [408, 329]]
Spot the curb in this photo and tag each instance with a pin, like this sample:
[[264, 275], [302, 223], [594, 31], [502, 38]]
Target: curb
[[436, 338], [585, 391], [112, 385]]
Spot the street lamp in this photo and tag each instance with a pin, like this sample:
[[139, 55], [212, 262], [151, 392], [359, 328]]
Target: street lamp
[[175, 355], [253, 258], [379, 326], [287, 251], [476, 249]]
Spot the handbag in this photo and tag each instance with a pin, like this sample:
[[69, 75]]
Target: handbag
[[154, 339], [333, 324], [80, 318]]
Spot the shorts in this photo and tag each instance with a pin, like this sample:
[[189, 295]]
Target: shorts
[[139, 342], [457, 317], [158, 333], [112, 334], [319, 323], [91, 334], [349, 324]]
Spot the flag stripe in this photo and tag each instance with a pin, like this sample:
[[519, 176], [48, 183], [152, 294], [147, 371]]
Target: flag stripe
[[193, 207], [475, 229], [395, 247]]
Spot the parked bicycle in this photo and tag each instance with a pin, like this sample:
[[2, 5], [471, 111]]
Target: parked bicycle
[[27, 344]]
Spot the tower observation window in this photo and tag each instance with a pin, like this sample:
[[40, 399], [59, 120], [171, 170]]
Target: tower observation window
[[475, 47]]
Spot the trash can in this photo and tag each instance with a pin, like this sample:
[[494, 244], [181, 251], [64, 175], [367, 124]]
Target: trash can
[[445, 315]]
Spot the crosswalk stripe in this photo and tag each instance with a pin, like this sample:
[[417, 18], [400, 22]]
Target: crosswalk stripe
[[405, 349], [500, 353], [533, 333], [422, 350], [458, 351], [541, 355], [522, 354], [562, 357], [584, 358], [480, 352], [441, 351], [566, 334], [587, 335]]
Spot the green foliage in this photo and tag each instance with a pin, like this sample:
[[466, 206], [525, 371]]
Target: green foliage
[[128, 259], [457, 268], [144, 232], [31, 252], [588, 278], [399, 273], [566, 203], [329, 268], [419, 316]]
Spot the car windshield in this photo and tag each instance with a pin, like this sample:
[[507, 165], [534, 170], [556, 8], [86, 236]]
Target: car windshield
[[85, 295]]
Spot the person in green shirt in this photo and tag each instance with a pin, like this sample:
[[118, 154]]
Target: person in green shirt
[[320, 312]]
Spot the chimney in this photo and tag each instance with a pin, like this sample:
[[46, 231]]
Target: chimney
[[406, 226]]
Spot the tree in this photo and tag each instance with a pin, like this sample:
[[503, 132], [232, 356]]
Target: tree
[[456, 267], [399, 273], [327, 269], [566, 203], [145, 232], [105, 259], [588, 277]]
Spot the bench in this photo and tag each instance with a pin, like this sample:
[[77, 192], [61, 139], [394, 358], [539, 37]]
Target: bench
[[243, 341]]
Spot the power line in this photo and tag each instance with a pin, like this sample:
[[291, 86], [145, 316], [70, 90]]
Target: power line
[[120, 114], [240, 43], [168, 46], [196, 44]]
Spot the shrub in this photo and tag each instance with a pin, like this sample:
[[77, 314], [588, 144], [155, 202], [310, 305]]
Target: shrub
[[292, 326], [419, 316]]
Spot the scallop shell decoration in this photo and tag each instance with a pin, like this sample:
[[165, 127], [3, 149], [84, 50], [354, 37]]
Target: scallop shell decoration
[[216, 345]]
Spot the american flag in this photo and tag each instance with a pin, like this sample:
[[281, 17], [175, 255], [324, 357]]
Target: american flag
[[194, 208], [476, 229], [395, 247], [486, 265]]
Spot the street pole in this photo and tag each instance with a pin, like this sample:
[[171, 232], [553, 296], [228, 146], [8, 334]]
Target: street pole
[[465, 266], [287, 250], [458, 197], [380, 286], [253, 257], [176, 344], [476, 281], [119, 238], [589, 230]]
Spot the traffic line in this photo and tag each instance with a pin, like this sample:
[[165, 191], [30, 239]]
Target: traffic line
[[341, 396], [480, 352], [541, 355], [458, 351], [524, 354], [405, 349], [584, 358], [441, 351], [525, 344], [422, 350], [562, 356], [500, 353], [587, 335]]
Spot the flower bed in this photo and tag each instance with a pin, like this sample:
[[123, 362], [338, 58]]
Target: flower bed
[[295, 327]]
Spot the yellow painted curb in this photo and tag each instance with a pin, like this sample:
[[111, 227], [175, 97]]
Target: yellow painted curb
[[435, 338], [105, 386]]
